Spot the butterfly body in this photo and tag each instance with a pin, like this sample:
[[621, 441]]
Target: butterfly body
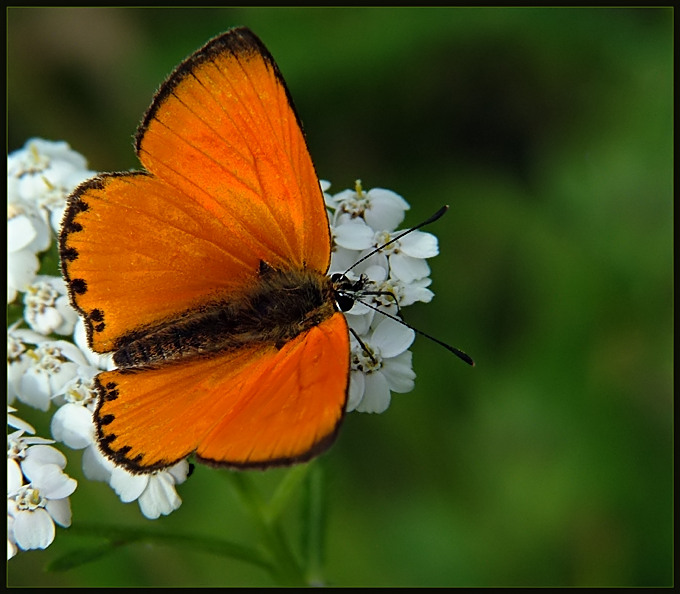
[[280, 306]]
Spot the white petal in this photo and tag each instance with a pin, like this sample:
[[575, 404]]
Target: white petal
[[68, 316], [356, 390], [20, 233], [33, 529], [60, 510], [354, 235], [179, 471], [38, 456], [408, 269], [72, 424], [15, 478], [392, 338], [419, 244], [70, 351], [386, 209], [413, 293], [159, 497], [399, 373], [96, 466], [342, 259], [377, 396], [21, 269], [128, 486], [17, 423], [35, 390], [359, 318], [52, 482], [376, 273]]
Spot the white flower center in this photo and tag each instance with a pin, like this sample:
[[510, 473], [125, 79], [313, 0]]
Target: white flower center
[[54, 196], [15, 348], [42, 295], [29, 499], [15, 210], [47, 359], [16, 448], [81, 392], [390, 293], [381, 238], [366, 360]]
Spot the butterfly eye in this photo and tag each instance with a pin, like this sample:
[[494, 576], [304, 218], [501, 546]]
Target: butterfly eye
[[344, 302]]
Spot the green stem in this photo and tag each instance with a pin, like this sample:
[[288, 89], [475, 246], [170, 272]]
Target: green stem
[[288, 569], [314, 523]]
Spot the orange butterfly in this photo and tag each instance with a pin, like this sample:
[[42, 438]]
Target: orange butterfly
[[206, 276]]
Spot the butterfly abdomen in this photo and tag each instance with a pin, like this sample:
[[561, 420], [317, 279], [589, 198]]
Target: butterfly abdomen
[[282, 305]]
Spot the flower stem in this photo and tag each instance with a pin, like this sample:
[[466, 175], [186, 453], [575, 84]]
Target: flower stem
[[314, 525], [286, 566]]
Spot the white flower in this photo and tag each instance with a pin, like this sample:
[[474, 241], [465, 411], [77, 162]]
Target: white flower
[[32, 450], [37, 505], [37, 492], [386, 270], [407, 255], [17, 362], [73, 424], [382, 364], [51, 366], [380, 208], [154, 491], [45, 173], [47, 308], [27, 234]]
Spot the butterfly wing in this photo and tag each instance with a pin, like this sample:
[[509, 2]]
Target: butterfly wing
[[230, 184], [252, 407], [223, 127]]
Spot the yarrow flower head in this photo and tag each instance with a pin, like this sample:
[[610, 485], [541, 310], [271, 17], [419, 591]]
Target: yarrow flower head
[[47, 306], [391, 268], [42, 372], [37, 490], [44, 173]]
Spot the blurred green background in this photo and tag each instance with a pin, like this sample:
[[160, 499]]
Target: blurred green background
[[549, 132]]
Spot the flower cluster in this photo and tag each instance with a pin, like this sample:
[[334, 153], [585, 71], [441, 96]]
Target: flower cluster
[[47, 372], [51, 368], [37, 488], [392, 273]]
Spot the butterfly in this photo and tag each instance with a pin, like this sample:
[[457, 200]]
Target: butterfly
[[205, 275]]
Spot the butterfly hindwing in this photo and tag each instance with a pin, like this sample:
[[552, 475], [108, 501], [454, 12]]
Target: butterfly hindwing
[[254, 407]]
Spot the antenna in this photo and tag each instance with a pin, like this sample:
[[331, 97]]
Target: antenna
[[460, 354], [354, 292]]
